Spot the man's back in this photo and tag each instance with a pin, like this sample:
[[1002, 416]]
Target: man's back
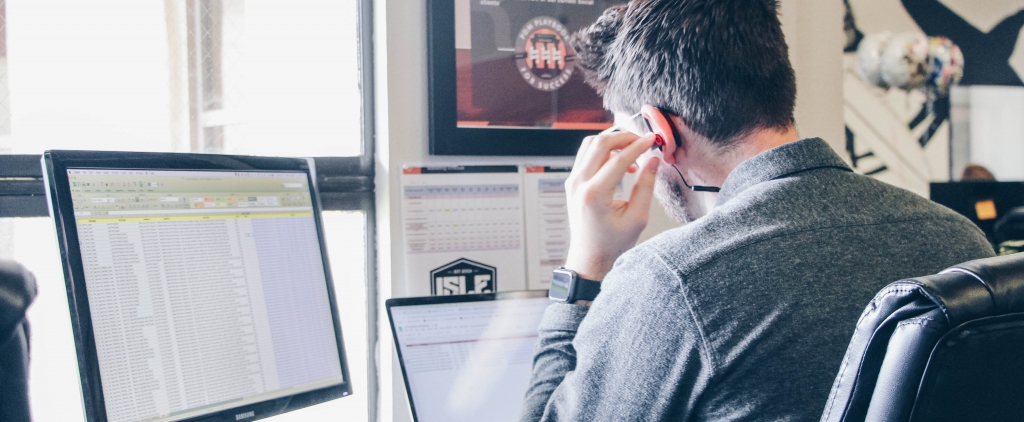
[[746, 313]]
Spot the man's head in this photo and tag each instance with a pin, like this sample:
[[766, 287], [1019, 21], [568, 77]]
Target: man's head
[[720, 68]]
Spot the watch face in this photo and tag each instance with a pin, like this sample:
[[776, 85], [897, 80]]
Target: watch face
[[561, 280]]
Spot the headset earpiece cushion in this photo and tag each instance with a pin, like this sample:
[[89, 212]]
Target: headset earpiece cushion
[[660, 125]]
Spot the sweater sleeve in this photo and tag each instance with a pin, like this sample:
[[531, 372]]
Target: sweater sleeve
[[637, 354]]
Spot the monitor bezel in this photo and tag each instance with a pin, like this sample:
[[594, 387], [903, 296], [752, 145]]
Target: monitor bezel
[[55, 167], [436, 300]]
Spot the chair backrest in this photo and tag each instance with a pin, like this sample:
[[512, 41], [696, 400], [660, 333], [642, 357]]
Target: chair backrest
[[1010, 226], [946, 347], [17, 290]]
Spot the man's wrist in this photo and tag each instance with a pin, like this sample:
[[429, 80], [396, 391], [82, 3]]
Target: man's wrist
[[588, 269], [569, 287]]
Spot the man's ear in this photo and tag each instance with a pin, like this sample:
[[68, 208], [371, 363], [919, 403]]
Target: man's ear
[[668, 151], [662, 126]]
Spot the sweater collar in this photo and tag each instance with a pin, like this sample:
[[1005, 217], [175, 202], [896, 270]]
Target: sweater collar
[[784, 160]]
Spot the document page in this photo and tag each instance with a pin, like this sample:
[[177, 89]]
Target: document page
[[463, 229], [547, 220], [547, 223]]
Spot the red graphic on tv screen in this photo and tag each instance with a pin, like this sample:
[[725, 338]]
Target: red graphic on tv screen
[[520, 72], [542, 56]]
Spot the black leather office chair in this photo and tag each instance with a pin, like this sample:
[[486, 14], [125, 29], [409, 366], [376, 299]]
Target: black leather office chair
[[17, 290], [947, 347], [1010, 226]]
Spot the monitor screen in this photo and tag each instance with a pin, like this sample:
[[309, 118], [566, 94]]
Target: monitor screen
[[468, 361], [985, 203], [207, 289]]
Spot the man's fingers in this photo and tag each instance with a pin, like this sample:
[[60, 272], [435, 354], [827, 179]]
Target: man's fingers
[[582, 151], [609, 176], [640, 199], [598, 152]]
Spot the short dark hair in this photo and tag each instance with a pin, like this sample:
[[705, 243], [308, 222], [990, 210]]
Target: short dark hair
[[722, 66]]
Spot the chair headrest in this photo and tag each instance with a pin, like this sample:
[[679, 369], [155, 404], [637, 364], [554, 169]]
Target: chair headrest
[[17, 290], [1010, 226], [1003, 277], [976, 289]]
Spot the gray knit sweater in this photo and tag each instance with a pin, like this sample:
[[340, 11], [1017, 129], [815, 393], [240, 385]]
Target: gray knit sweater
[[744, 314]]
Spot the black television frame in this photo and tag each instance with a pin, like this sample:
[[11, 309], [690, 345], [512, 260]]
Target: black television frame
[[446, 138], [56, 165]]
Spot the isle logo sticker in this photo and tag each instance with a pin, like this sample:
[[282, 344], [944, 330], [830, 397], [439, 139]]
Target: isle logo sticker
[[463, 276], [543, 58]]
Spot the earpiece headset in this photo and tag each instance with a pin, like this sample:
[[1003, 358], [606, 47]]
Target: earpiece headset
[[654, 120]]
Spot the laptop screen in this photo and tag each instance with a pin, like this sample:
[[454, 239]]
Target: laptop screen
[[468, 361], [207, 289]]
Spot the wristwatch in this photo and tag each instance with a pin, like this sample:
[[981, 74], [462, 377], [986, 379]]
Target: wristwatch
[[569, 287]]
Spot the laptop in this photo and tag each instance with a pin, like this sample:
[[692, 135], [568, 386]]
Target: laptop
[[467, 357], [198, 285]]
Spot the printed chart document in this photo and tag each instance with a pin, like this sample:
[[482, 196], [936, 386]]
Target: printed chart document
[[547, 223], [463, 229], [547, 220]]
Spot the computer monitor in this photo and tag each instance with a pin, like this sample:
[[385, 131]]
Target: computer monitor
[[982, 202], [198, 285], [467, 357]]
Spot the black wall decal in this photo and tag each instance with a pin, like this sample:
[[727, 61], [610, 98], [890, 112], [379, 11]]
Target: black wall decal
[[986, 55]]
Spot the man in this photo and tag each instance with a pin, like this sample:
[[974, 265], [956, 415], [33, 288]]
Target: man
[[745, 312]]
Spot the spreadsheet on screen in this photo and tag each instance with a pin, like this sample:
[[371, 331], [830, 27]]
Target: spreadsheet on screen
[[207, 289]]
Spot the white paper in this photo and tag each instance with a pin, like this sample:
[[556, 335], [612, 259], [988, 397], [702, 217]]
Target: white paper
[[458, 222], [547, 221]]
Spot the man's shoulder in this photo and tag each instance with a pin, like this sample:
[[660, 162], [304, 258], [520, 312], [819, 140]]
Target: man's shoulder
[[878, 202], [820, 202], [645, 263]]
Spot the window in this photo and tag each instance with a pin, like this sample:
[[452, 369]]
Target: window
[[257, 77]]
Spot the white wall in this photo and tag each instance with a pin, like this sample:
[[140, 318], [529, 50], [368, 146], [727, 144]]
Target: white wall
[[402, 131], [814, 31], [997, 130]]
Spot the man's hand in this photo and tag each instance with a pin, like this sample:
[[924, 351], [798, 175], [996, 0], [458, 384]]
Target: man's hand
[[602, 228]]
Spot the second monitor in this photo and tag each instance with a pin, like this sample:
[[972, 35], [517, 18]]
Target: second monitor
[[197, 293]]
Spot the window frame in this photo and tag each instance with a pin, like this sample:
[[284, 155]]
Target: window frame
[[345, 184]]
